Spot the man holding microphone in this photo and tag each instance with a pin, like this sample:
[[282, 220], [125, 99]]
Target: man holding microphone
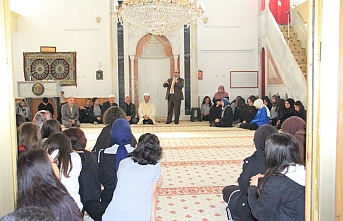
[[174, 96]]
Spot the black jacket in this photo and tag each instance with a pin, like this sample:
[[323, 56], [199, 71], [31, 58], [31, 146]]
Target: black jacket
[[227, 118], [252, 166], [107, 105], [281, 199]]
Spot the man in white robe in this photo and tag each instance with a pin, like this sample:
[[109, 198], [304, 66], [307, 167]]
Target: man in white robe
[[146, 111]]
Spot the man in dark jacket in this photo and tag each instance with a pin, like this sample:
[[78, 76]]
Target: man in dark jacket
[[130, 110]]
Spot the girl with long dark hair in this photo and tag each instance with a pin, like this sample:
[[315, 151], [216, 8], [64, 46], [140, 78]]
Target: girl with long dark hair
[[38, 186], [280, 194], [58, 146]]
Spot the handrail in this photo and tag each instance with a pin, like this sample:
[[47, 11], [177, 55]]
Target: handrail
[[288, 68]]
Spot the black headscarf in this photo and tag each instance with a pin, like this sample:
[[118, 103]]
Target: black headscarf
[[261, 135]]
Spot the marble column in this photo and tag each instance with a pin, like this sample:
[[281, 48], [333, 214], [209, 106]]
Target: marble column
[[176, 63], [8, 133], [132, 77]]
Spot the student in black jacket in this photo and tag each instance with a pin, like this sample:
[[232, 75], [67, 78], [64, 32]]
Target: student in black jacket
[[280, 194], [226, 117], [238, 208]]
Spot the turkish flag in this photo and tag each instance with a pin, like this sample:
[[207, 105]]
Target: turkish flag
[[280, 10]]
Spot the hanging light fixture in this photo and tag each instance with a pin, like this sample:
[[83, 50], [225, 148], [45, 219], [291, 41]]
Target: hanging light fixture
[[159, 17]]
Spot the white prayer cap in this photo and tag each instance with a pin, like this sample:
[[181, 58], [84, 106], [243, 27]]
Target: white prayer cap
[[127, 95], [111, 96], [146, 94]]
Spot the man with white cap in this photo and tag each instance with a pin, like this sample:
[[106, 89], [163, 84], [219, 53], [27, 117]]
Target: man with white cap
[[108, 104], [146, 111]]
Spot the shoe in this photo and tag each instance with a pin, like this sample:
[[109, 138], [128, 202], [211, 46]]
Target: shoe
[[176, 122], [168, 122]]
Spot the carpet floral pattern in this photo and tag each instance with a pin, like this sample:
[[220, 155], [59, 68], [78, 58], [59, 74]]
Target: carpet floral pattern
[[198, 161]]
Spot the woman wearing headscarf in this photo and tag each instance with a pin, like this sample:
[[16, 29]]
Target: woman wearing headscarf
[[288, 112], [226, 117], [237, 196], [296, 127], [220, 94], [110, 158], [262, 116]]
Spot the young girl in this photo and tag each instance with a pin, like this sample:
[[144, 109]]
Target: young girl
[[262, 116], [58, 146], [205, 108], [281, 193], [226, 118], [300, 110], [38, 186], [135, 197]]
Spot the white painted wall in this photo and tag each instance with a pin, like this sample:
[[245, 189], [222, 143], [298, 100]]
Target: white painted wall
[[68, 26], [228, 42], [232, 26]]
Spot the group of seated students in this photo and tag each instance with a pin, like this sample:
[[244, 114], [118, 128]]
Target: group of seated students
[[251, 115], [56, 172], [272, 183]]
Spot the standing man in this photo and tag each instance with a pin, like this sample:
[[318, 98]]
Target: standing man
[[130, 110], [146, 111], [45, 105], [70, 114], [108, 104], [174, 96]]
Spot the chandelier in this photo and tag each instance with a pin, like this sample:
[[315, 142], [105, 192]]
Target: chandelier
[[159, 17]]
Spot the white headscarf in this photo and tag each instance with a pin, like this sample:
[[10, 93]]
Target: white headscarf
[[258, 103]]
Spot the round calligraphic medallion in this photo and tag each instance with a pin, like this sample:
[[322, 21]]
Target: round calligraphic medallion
[[39, 69], [38, 89], [59, 69]]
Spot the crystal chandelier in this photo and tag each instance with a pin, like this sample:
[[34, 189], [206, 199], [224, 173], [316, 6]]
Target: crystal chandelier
[[159, 17]]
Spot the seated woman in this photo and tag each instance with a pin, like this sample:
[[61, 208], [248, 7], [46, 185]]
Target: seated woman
[[238, 208], [205, 108], [29, 137], [288, 112], [220, 94], [297, 128], [110, 158], [40, 117], [267, 102], [261, 117], [58, 146], [274, 114], [139, 176], [90, 186], [38, 186], [104, 139], [215, 111], [280, 195], [300, 110], [50, 127], [226, 118], [250, 112], [239, 109]]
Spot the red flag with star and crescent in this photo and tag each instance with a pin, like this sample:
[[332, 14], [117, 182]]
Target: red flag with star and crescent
[[280, 10]]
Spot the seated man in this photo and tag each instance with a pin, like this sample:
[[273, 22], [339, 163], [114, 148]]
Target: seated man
[[23, 110], [130, 110], [108, 104], [70, 114], [146, 111], [45, 105], [96, 111], [85, 112]]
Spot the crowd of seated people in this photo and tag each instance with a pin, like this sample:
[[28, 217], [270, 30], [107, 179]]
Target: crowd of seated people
[[72, 181], [250, 115]]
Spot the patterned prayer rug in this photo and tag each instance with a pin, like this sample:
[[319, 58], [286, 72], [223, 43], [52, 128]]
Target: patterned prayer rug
[[198, 161], [50, 66]]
